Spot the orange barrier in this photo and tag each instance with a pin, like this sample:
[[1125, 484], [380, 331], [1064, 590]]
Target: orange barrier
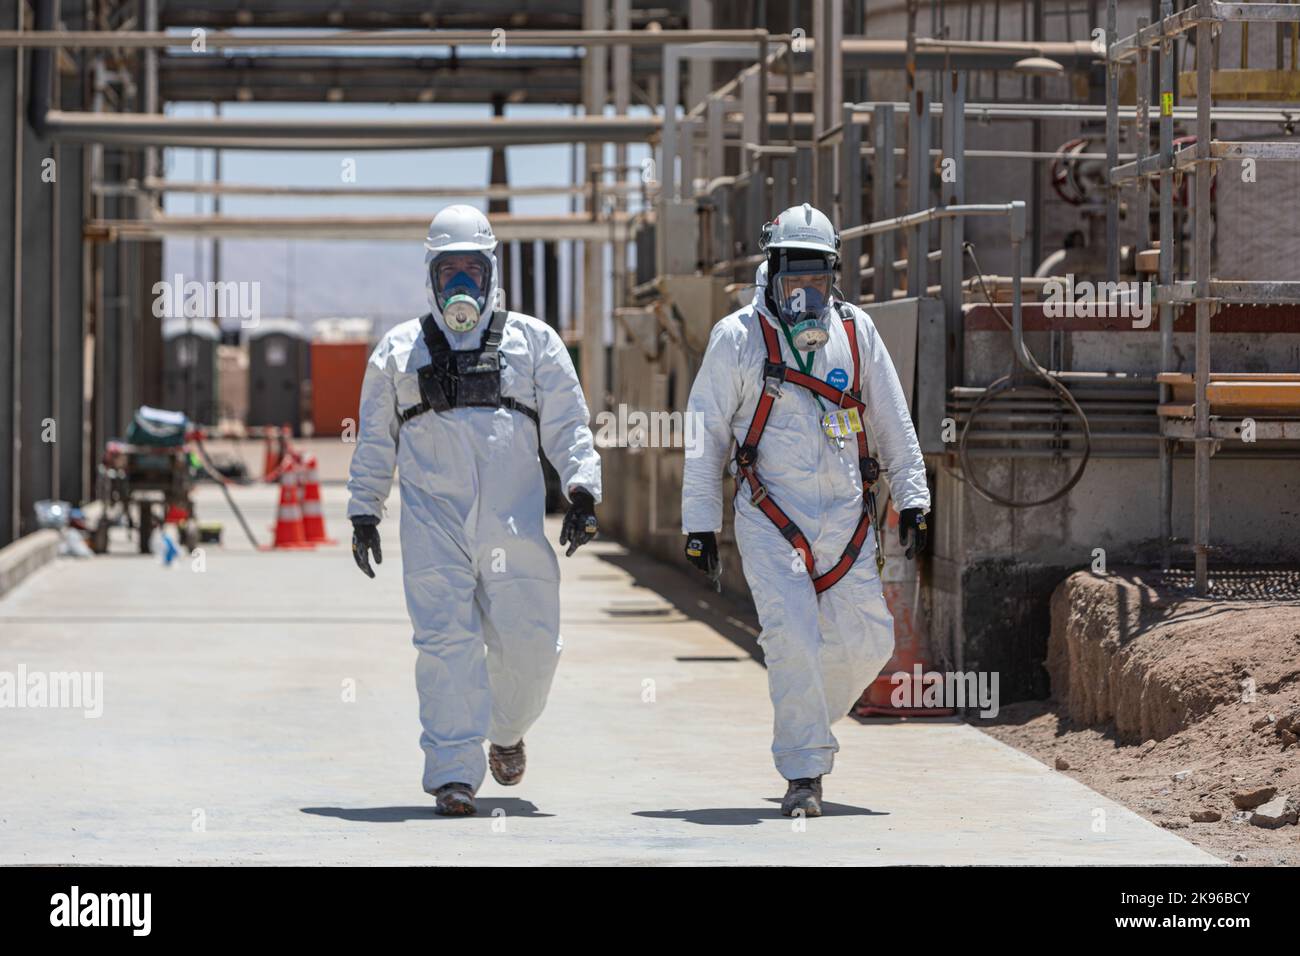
[[313, 517]]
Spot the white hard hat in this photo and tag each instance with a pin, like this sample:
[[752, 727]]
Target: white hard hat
[[460, 229], [801, 227]]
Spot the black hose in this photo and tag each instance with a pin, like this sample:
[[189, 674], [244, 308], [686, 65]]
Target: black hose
[[221, 481], [1013, 381]]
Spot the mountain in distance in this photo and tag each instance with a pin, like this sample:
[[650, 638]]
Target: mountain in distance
[[308, 280]]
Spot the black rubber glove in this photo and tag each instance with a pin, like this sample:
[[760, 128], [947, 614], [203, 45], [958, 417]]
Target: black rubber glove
[[702, 550], [365, 538], [912, 521], [580, 522]]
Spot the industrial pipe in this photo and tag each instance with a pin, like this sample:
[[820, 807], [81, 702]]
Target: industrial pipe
[[221, 39], [42, 67], [155, 129]]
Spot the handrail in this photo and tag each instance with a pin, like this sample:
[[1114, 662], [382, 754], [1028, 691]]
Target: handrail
[[940, 212]]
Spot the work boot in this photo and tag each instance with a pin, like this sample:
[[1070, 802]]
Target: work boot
[[455, 800], [803, 794], [507, 763]]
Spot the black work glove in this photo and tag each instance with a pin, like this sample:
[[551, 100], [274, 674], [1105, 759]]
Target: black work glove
[[702, 550], [912, 521], [365, 538], [579, 522]]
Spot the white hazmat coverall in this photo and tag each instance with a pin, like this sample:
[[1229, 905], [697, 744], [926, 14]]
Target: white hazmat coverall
[[821, 651], [481, 580]]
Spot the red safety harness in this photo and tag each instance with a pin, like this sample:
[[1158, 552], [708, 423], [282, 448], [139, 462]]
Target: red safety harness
[[775, 371]]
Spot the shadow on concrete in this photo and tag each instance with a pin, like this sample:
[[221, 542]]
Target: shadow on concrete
[[690, 594], [750, 816], [1023, 712], [510, 806]]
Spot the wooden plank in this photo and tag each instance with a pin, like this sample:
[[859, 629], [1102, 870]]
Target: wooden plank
[[1186, 378], [1271, 394], [1254, 377]]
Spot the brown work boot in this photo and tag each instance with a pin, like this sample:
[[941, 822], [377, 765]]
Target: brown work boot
[[507, 763], [805, 795], [455, 800]]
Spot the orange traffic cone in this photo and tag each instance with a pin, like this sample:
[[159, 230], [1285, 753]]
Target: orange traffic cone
[[271, 455], [313, 518], [899, 690], [289, 530]]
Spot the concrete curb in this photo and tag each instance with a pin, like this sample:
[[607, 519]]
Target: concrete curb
[[26, 555]]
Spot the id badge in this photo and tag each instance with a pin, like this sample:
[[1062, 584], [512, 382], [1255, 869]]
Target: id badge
[[842, 423]]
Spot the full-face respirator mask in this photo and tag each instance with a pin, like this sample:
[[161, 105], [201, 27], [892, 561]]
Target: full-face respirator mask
[[801, 283], [462, 298]]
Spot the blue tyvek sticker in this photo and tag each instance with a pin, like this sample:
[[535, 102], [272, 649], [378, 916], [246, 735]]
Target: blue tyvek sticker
[[838, 378]]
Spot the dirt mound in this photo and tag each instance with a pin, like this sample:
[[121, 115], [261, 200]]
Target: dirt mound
[[1184, 709], [1128, 648]]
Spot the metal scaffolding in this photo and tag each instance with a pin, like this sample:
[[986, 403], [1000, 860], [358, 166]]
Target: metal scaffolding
[[1203, 291]]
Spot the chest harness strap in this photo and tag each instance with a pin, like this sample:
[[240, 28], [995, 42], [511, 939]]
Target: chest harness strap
[[775, 371]]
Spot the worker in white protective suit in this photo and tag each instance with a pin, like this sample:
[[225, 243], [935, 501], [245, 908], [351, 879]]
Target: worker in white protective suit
[[801, 384], [460, 401]]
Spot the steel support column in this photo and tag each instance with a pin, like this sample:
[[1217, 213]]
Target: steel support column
[[918, 191], [595, 86], [1204, 172], [850, 205], [952, 231], [882, 201], [1166, 276]]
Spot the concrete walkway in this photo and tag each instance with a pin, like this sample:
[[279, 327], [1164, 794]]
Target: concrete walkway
[[227, 734]]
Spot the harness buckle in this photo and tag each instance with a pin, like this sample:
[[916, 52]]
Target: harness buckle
[[773, 376], [870, 470], [757, 497], [747, 456]]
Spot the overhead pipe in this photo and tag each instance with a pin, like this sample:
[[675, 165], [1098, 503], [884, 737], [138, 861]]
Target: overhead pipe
[[221, 39], [1082, 111], [155, 129], [371, 192], [508, 227]]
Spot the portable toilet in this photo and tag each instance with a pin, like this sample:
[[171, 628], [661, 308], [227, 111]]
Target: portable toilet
[[190, 368], [232, 385], [279, 370]]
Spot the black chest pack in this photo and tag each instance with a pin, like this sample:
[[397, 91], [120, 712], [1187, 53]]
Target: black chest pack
[[469, 378]]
